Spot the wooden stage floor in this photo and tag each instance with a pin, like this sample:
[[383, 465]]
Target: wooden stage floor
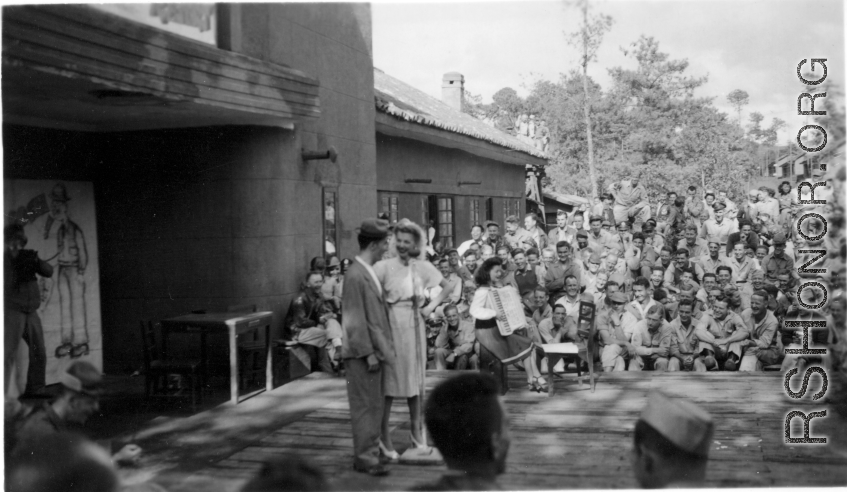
[[578, 439]]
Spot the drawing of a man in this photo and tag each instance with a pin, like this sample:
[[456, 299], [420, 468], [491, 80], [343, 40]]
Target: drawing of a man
[[72, 259]]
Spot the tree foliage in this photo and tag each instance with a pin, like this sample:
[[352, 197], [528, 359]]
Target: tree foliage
[[738, 99], [649, 120]]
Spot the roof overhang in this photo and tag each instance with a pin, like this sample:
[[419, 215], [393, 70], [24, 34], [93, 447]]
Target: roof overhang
[[395, 127], [73, 67], [565, 199]]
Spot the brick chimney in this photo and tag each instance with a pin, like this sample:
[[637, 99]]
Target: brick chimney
[[453, 90]]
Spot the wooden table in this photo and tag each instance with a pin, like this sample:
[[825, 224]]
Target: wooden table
[[235, 325], [567, 351]]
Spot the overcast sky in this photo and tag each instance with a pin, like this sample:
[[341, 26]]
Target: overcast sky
[[741, 44]]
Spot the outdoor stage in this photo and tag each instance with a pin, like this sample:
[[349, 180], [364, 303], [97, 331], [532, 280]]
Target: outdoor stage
[[573, 440]]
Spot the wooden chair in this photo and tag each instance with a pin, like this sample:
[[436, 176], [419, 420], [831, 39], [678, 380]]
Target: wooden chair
[[157, 370], [251, 353], [590, 347]]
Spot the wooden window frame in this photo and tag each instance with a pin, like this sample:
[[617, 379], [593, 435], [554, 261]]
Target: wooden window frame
[[325, 192], [446, 229]]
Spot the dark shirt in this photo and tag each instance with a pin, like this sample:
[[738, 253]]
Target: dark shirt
[[305, 312], [38, 423], [21, 291], [525, 281]]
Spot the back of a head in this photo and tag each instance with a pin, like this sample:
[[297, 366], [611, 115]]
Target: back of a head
[[672, 440], [649, 437], [59, 462], [288, 473], [462, 414]]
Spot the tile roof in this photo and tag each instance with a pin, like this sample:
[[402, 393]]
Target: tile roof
[[403, 101]]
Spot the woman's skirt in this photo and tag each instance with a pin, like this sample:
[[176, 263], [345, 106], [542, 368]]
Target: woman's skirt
[[405, 377], [508, 349]]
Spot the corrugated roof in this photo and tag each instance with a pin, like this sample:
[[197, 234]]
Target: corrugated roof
[[566, 199], [403, 101]]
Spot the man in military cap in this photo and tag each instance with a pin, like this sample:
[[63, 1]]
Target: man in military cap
[[718, 228], [598, 239], [82, 386], [671, 445], [591, 271], [652, 236], [368, 346], [581, 240], [778, 262], [615, 336]]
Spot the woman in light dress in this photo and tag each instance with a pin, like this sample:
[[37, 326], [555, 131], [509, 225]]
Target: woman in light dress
[[404, 279]]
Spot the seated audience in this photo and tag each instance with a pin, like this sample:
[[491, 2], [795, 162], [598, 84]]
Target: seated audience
[[652, 338], [685, 352], [761, 348], [311, 322], [614, 335], [720, 333], [454, 346]]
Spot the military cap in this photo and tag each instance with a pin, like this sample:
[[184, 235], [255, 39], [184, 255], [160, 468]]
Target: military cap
[[84, 378], [681, 422]]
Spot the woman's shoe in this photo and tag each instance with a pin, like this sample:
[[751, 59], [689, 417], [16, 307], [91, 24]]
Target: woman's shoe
[[415, 443], [390, 456], [540, 384], [64, 350]]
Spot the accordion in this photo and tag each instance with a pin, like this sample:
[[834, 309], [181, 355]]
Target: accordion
[[507, 302]]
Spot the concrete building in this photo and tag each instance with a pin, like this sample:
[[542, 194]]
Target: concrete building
[[437, 165], [193, 148]]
